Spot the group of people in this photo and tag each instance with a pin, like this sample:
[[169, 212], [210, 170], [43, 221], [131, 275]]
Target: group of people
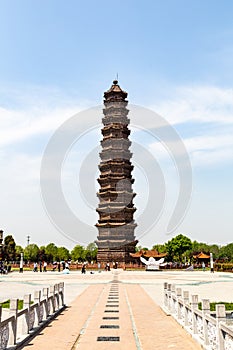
[[42, 266], [114, 265], [56, 265]]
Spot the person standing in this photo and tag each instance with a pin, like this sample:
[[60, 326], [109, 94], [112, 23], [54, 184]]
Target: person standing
[[45, 266], [84, 268], [35, 267]]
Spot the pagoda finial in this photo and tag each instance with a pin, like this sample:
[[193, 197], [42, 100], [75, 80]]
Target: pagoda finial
[[115, 81]]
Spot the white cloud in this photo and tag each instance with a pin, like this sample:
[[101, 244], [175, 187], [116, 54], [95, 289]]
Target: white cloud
[[201, 104], [203, 150], [206, 150], [210, 113], [19, 125]]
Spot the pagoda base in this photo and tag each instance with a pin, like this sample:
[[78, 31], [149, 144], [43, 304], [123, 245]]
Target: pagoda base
[[120, 254]]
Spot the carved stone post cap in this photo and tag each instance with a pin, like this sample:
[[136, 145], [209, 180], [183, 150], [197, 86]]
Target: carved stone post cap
[[14, 304], [27, 298], [194, 299], [205, 304], [51, 289], [37, 294], [220, 311]]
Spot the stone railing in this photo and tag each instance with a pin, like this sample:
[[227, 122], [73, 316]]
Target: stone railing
[[213, 333], [21, 325]]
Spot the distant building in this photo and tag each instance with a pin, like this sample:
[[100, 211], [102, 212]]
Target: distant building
[[116, 224]]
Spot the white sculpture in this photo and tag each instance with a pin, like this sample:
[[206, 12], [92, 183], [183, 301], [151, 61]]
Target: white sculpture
[[152, 264]]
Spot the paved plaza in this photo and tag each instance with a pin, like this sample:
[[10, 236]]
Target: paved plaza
[[117, 309]]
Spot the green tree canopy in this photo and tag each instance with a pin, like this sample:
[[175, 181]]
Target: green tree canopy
[[9, 248], [161, 248], [18, 251], [91, 252], [78, 253], [31, 252], [51, 252], [226, 252], [177, 246], [41, 254], [198, 247], [63, 253]]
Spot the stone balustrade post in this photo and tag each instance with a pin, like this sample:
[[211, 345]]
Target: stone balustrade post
[[37, 299], [220, 317], [179, 305], [61, 293], [52, 294], [186, 302], [26, 305], [169, 296], [205, 311], [165, 297], [194, 306], [46, 305], [173, 298], [13, 312], [56, 293]]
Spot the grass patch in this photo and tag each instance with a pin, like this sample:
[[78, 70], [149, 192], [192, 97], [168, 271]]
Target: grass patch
[[228, 306], [6, 304]]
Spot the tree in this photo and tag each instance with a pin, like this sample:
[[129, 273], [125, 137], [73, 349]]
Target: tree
[[78, 253], [31, 252], [9, 248], [226, 252], [91, 252], [63, 253], [169, 251], [41, 254], [198, 247], [214, 248], [161, 248], [18, 251], [51, 252], [177, 246]]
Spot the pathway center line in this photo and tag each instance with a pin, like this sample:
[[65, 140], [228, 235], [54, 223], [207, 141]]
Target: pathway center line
[[137, 341], [82, 331]]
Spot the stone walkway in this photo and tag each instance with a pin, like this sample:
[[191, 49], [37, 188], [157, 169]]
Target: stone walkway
[[112, 316]]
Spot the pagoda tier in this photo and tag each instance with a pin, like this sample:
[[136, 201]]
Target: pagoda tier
[[116, 240]]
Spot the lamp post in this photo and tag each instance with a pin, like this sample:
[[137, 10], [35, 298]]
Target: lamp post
[[211, 263], [21, 263]]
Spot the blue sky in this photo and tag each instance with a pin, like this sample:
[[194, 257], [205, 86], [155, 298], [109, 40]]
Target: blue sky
[[174, 57]]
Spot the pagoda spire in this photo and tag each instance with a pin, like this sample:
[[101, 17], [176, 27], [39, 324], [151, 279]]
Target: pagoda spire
[[116, 224]]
